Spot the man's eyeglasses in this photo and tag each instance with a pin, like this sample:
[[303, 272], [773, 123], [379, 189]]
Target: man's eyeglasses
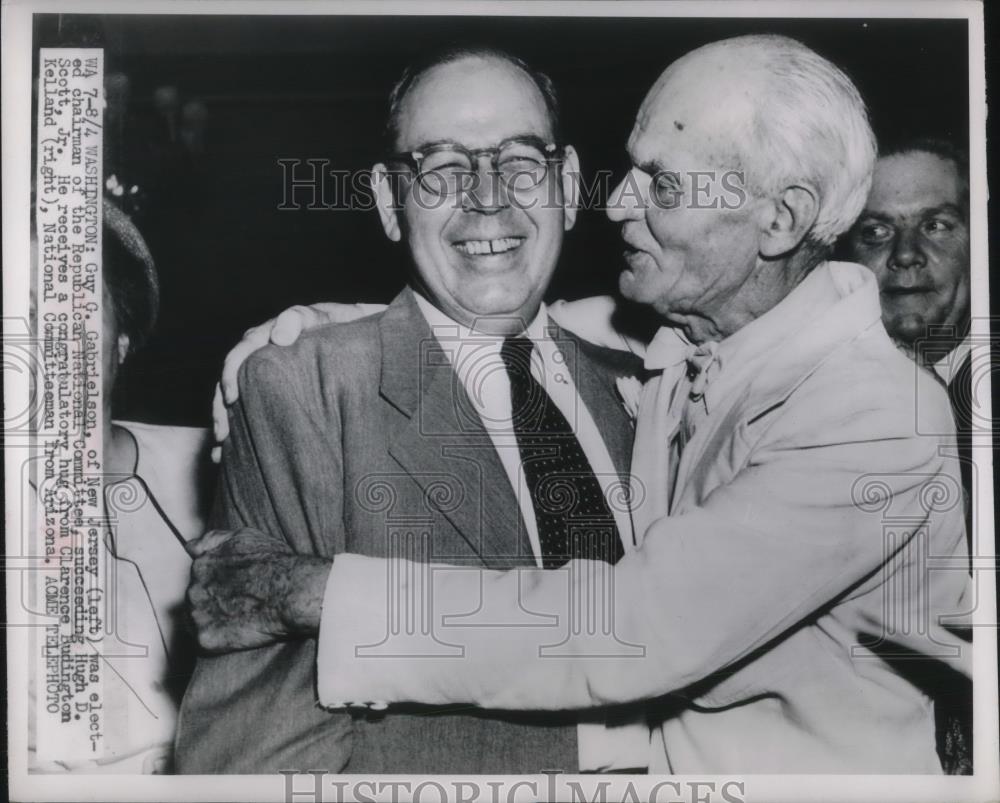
[[447, 168]]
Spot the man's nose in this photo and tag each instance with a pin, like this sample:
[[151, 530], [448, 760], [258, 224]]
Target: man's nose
[[488, 193], [626, 201], [907, 251]]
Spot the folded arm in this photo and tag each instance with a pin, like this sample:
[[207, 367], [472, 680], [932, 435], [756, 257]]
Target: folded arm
[[763, 554]]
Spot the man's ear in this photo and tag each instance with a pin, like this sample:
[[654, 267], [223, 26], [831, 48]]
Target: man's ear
[[385, 202], [570, 186], [122, 347], [787, 219]]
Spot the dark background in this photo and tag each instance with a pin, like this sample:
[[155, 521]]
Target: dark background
[[315, 87]]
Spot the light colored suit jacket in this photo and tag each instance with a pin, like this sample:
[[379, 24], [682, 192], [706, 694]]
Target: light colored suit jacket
[[813, 544], [361, 438]]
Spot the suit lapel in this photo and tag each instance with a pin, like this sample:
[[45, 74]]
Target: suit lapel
[[443, 445], [595, 385]]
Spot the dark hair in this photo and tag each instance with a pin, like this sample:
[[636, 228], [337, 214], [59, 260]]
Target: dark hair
[[450, 55], [129, 276], [942, 148]]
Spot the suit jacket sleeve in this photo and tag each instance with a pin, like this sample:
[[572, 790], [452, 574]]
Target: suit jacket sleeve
[[764, 553], [242, 499], [275, 455], [598, 320]]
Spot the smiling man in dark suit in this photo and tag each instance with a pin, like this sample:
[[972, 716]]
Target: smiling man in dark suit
[[449, 428]]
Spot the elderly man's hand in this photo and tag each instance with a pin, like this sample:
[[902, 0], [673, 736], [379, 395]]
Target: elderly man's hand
[[281, 331], [249, 589]]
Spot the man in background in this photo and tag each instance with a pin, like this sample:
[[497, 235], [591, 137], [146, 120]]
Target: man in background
[[914, 234]]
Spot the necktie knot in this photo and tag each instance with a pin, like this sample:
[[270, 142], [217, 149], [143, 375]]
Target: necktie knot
[[528, 396], [516, 354], [699, 363]]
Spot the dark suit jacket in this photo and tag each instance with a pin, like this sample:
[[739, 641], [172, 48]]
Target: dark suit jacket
[[358, 436], [960, 396]]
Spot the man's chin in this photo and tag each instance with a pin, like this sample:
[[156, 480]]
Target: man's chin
[[907, 328], [630, 287], [501, 315], [640, 287]]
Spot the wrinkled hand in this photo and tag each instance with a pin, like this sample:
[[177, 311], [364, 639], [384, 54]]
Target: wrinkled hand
[[281, 331], [249, 589]]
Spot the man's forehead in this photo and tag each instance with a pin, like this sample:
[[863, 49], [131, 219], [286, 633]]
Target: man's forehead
[[688, 112], [474, 101], [908, 183]]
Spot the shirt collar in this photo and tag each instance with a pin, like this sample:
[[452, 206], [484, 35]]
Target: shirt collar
[[668, 347], [442, 325], [826, 285], [948, 366], [822, 287]]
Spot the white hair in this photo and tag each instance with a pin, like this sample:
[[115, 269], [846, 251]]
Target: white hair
[[809, 123]]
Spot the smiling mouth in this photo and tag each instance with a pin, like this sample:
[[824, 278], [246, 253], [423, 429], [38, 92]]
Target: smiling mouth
[[488, 247]]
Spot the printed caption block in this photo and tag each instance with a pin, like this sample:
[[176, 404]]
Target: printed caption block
[[68, 669]]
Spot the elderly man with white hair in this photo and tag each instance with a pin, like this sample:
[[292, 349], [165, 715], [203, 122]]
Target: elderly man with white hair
[[798, 535]]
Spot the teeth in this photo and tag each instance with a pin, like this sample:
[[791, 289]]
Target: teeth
[[489, 246]]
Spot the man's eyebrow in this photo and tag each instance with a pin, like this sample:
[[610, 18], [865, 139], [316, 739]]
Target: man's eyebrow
[[432, 144], [436, 142], [882, 216], [948, 208]]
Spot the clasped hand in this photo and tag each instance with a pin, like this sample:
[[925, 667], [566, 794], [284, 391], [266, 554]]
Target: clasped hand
[[281, 331], [249, 589]]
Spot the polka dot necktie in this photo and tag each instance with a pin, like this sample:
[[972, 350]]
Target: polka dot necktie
[[572, 515]]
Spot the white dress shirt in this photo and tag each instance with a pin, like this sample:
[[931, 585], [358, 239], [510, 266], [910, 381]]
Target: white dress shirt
[[477, 362], [948, 366]]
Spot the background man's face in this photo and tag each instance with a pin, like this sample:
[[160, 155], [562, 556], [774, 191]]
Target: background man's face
[[683, 258], [479, 103], [914, 234]]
